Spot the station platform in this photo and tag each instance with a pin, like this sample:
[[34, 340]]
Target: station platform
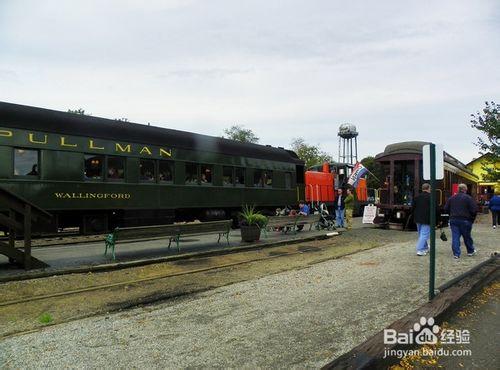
[[68, 256]]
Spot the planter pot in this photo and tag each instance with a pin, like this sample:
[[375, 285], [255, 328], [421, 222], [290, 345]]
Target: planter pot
[[250, 233]]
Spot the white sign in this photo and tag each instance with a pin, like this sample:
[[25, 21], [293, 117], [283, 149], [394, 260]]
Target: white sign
[[369, 214], [426, 158]]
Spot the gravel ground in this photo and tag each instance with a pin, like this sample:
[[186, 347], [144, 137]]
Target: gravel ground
[[299, 318]]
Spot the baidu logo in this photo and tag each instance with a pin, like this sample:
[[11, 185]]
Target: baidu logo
[[427, 331], [423, 332]]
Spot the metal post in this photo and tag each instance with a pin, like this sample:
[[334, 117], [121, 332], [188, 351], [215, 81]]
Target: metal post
[[356, 146], [339, 148], [350, 145], [432, 265], [27, 236]]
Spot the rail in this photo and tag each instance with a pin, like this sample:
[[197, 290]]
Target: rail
[[18, 218], [440, 196]]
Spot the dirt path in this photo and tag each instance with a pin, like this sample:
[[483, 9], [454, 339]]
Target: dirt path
[[182, 280]]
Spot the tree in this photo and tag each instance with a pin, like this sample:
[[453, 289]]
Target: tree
[[310, 154], [78, 111], [240, 133], [376, 169], [488, 123]]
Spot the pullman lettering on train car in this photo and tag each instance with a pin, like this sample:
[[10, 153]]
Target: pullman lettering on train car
[[31, 138]]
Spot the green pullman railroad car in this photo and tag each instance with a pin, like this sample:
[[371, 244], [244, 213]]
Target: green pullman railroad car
[[96, 173]]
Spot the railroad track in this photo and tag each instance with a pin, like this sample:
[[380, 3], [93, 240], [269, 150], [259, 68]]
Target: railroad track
[[154, 277]]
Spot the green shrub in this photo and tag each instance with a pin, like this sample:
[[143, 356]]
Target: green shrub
[[45, 318], [252, 217]]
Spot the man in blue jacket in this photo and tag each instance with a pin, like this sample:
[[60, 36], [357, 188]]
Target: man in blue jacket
[[462, 210], [494, 207]]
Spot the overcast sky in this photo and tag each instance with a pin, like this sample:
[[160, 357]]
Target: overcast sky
[[398, 70]]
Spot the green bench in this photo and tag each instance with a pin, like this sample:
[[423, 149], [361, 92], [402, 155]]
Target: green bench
[[284, 223], [308, 220], [287, 223], [172, 232]]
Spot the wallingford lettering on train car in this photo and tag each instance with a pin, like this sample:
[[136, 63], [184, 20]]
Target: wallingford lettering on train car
[[91, 144], [92, 195]]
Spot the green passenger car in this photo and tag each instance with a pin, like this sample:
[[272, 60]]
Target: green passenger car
[[96, 173]]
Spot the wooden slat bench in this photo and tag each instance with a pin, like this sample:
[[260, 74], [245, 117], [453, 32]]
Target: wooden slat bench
[[308, 220], [284, 223], [290, 222], [172, 232]]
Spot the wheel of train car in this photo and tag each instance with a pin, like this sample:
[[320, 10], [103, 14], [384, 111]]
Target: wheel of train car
[[93, 224]]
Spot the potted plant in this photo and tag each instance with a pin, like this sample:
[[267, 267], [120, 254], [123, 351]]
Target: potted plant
[[252, 222]]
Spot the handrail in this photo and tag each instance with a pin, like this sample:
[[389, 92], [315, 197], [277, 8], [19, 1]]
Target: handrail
[[440, 197], [311, 193], [379, 192], [29, 212], [17, 203]]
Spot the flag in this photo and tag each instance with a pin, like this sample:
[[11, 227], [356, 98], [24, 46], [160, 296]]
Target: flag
[[357, 172]]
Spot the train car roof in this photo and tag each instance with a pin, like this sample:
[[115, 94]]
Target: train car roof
[[415, 147], [52, 121]]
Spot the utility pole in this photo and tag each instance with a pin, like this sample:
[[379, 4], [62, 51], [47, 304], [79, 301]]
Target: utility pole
[[433, 169], [432, 265]]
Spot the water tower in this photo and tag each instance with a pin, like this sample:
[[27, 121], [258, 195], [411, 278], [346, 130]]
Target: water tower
[[348, 144]]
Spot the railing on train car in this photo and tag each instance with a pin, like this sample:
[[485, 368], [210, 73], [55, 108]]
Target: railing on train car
[[440, 196], [372, 196], [383, 196]]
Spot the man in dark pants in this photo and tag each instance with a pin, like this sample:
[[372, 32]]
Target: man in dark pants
[[462, 210], [494, 207], [421, 215], [339, 206]]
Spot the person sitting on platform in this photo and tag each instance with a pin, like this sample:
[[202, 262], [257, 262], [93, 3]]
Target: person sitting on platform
[[303, 209]]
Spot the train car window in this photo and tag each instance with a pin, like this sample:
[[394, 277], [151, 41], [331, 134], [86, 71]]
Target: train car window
[[404, 172], [116, 169], [227, 176], [147, 170], [166, 171], [191, 173], [239, 176], [93, 167], [268, 179], [300, 174], [288, 180], [26, 162], [206, 173], [257, 178]]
